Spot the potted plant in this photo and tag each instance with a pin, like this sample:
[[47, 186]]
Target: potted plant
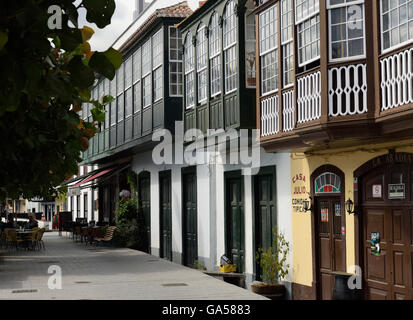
[[274, 268]]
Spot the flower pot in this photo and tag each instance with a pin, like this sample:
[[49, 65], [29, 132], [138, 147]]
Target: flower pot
[[271, 291]]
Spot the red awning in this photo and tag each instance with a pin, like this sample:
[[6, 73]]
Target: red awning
[[95, 176]]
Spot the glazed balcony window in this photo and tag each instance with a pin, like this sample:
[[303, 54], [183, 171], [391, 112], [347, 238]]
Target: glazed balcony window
[[346, 29], [137, 65], [189, 72], [230, 47], [128, 73], [146, 74], [107, 107], [250, 45], [396, 23], [307, 19], [214, 56], [175, 62], [120, 79], [268, 36], [157, 56], [128, 103], [120, 104], [201, 59], [287, 29]]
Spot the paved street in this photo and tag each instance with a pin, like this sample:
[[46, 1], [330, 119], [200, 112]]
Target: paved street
[[105, 273]]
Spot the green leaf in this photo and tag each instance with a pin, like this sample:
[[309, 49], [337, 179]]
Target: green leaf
[[85, 94], [107, 100], [102, 65], [3, 39], [114, 56], [99, 11], [58, 88], [98, 115], [70, 38], [82, 76]]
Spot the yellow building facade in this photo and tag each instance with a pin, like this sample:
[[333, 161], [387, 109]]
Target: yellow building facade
[[305, 248]]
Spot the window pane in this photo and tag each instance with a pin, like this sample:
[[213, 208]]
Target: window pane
[[309, 40], [113, 113], [128, 72], [147, 91], [175, 64], [157, 49], [120, 79], [397, 17], [128, 103], [157, 84], [137, 97], [137, 65], [214, 55], [146, 58], [120, 104]]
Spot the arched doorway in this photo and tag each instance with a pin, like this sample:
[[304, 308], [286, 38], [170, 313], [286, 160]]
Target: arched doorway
[[328, 218], [384, 206]]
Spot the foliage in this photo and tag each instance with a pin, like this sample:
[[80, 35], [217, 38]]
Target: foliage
[[273, 260], [46, 77], [199, 265], [127, 210], [133, 183], [130, 230]]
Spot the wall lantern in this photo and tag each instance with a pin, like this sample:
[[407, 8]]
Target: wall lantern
[[307, 205], [350, 206]]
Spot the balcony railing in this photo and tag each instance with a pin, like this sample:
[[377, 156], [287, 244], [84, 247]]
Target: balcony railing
[[309, 97], [288, 111], [347, 96], [347, 90], [396, 80], [270, 121]]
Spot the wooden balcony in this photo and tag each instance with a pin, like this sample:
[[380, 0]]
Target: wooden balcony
[[348, 103]]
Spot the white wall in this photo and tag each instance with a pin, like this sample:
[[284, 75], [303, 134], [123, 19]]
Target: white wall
[[281, 161], [211, 206]]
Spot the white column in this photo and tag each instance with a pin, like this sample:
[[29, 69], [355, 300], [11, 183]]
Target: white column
[[176, 205]]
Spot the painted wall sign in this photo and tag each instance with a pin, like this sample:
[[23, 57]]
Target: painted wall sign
[[376, 191], [397, 191], [297, 204], [298, 190], [375, 243]]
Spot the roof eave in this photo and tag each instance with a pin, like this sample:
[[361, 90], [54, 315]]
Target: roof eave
[[185, 24]]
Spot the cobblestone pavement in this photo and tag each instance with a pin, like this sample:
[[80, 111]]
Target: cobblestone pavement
[[105, 273]]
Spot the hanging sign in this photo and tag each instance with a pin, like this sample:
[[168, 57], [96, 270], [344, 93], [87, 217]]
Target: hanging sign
[[376, 191], [375, 244], [397, 191], [71, 192]]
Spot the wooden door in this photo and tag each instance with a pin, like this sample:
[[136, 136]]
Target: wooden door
[[165, 215], [331, 247], [235, 221], [265, 214], [190, 226], [144, 197], [388, 273]]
